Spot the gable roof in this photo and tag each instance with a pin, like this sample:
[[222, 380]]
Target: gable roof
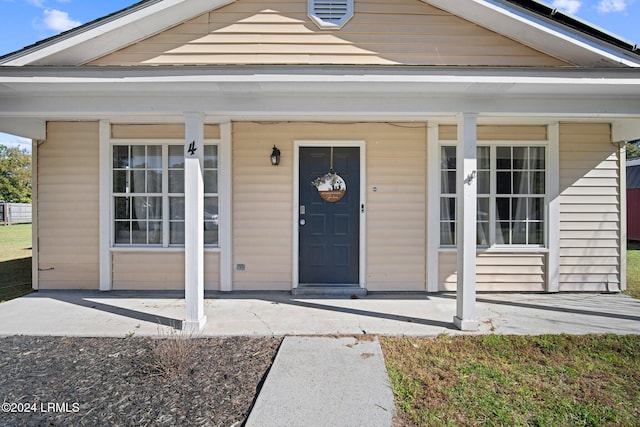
[[530, 22]]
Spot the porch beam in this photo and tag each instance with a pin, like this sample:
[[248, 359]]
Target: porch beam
[[466, 178], [194, 222]]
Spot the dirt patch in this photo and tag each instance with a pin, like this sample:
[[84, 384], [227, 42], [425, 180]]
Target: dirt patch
[[131, 382]]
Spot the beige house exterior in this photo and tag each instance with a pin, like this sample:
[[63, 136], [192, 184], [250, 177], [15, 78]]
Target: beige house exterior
[[489, 139]]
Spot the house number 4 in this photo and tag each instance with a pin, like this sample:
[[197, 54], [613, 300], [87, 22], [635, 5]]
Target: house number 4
[[192, 148]]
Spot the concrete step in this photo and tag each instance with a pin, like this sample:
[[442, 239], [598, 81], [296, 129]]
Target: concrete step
[[329, 291]]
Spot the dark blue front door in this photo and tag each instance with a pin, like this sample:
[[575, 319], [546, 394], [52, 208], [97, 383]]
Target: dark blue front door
[[329, 232]]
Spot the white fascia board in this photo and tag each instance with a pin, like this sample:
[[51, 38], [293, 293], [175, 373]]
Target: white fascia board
[[537, 32], [94, 41]]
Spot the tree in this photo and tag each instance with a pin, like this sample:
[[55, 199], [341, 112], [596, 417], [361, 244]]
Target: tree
[[633, 150], [15, 175]]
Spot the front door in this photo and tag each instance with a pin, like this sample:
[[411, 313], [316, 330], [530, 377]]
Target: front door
[[329, 230]]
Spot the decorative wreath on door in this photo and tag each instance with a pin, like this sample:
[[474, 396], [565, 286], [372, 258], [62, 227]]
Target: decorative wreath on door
[[331, 187]]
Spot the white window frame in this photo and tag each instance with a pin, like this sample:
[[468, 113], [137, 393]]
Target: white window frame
[[164, 143], [493, 194], [323, 23]]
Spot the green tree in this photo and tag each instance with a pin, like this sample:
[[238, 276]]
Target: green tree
[[633, 151], [15, 175]]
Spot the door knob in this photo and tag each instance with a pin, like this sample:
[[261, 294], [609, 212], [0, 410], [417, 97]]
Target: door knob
[[302, 221]]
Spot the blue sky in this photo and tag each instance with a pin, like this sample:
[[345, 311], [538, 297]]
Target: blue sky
[[24, 22]]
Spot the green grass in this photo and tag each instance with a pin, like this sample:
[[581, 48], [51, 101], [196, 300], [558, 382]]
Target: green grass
[[15, 242], [15, 261], [633, 269], [499, 380]]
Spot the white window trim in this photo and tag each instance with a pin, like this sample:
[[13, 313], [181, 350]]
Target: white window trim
[[550, 178], [164, 143], [327, 25]]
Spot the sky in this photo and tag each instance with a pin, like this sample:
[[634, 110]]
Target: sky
[[24, 22]]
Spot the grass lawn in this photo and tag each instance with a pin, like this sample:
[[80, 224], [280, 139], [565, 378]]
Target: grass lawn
[[15, 242], [633, 269], [494, 380]]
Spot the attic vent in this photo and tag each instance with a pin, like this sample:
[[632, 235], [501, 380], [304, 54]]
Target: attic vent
[[330, 14]]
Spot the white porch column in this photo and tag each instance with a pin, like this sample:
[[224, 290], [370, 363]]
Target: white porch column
[[466, 189], [194, 222]]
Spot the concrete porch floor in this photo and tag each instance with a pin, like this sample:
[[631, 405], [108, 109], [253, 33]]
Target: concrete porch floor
[[120, 314]]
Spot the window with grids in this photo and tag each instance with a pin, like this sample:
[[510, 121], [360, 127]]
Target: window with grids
[[330, 14], [511, 195], [148, 195]]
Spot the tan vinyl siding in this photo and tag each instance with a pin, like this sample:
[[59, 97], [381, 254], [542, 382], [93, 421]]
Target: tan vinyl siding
[[589, 208], [496, 271], [159, 270], [498, 133], [407, 32], [263, 197], [68, 206], [158, 131]]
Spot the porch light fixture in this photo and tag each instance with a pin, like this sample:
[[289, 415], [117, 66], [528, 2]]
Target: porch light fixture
[[275, 156]]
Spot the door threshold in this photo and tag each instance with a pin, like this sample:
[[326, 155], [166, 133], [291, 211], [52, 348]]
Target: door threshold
[[329, 290]]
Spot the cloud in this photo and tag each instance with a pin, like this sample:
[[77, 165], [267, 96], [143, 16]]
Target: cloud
[[569, 6], [608, 6], [58, 20], [36, 3], [15, 141]]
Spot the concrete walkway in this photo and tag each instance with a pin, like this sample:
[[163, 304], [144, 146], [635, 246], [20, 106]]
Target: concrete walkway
[[337, 376]]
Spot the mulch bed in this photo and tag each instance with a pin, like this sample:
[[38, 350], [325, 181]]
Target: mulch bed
[[169, 381]]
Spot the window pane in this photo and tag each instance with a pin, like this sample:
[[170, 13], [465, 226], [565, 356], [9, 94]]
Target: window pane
[[503, 233], [155, 232], [503, 183], [503, 157], [503, 209], [519, 208], [536, 236], [484, 158], [448, 160], [154, 181], [448, 233], [520, 182], [537, 158], [155, 207], [483, 209], [140, 206], [120, 156], [448, 208], [176, 208], [120, 181], [210, 156], [176, 230], [138, 158], [139, 232], [519, 233], [483, 234], [122, 208], [211, 209], [154, 156], [123, 232], [210, 233], [138, 181], [210, 181], [484, 186], [520, 158], [537, 183], [176, 181], [536, 205], [176, 156], [448, 185]]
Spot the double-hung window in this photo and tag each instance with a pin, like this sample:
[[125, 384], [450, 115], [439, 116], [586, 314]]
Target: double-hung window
[[148, 195], [511, 191]]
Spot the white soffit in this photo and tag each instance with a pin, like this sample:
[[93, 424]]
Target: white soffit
[[92, 41], [537, 32]]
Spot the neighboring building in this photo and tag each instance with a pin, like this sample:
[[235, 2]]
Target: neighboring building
[[479, 142], [633, 200]]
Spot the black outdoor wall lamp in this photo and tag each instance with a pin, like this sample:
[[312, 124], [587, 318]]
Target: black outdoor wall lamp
[[275, 156]]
